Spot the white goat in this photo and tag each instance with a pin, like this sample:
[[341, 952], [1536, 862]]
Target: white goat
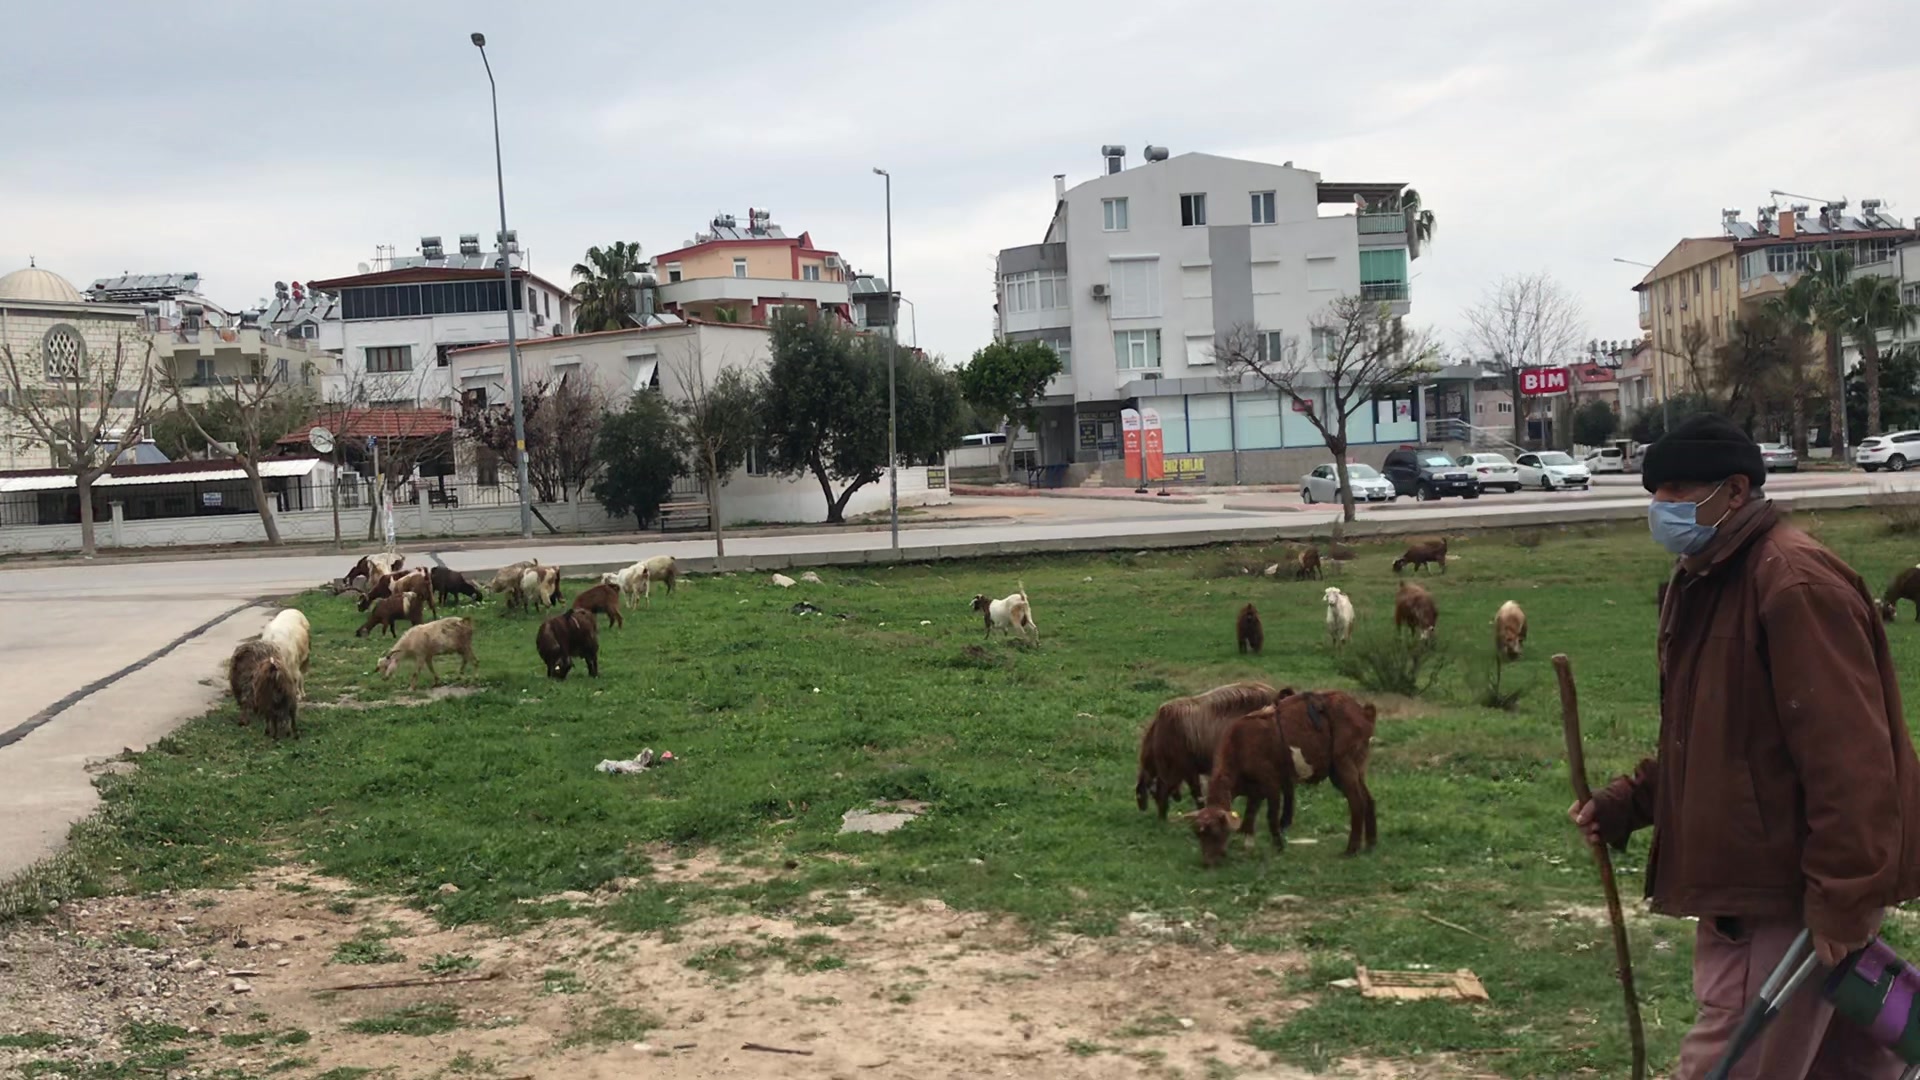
[[1009, 613], [424, 642], [290, 633], [1339, 617]]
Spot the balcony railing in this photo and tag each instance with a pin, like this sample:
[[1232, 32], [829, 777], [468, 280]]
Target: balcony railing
[[1384, 290], [1381, 223]]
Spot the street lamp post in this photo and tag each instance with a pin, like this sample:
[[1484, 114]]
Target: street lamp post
[[893, 346], [506, 275]]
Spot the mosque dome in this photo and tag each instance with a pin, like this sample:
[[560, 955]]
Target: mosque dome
[[36, 284]]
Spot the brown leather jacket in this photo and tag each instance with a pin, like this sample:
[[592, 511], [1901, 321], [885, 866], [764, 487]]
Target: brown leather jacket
[[1785, 784]]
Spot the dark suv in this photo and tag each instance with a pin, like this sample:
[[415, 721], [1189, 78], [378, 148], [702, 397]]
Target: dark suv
[[1426, 472]]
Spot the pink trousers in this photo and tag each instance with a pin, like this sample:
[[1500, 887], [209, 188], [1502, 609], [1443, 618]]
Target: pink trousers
[[1805, 1040]]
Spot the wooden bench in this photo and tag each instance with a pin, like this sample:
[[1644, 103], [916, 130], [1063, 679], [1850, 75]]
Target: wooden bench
[[685, 515], [437, 497]]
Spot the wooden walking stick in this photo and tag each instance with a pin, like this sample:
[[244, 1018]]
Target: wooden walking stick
[[1577, 767]]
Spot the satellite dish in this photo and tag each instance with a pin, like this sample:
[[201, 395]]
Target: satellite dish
[[365, 269], [321, 440]]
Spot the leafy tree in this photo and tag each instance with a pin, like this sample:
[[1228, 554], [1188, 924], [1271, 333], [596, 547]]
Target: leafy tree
[[244, 418], [1764, 369], [1899, 391], [1873, 303], [1005, 382], [604, 299], [641, 452], [718, 422], [930, 406], [1594, 423], [1420, 222], [1649, 424], [1365, 352]]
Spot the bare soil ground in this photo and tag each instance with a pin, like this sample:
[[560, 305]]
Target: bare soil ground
[[242, 982]]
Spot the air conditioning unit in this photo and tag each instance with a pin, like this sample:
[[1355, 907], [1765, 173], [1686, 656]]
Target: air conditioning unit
[[834, 263], [1100, 291], [1151, 375]]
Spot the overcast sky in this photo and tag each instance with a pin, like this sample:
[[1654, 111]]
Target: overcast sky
[[253, 142]]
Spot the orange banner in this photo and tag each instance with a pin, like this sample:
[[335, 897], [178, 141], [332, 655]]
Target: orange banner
[[1130, 441], [1152, 445]]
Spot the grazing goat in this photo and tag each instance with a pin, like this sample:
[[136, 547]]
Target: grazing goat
[[1509, 630], [449, 583], [539, 585], [1248, 632], [1300, 739], [265, 684], [1906, 586], [392, 609], [661, 568], [1339, 617], [1420, 553], [1251, 760], [290, 632], [1414, 610], [1307, 565], [507, 580], [374, 565], [424, 642], [601, 599], [1177, 746], [566, 636], [1010, 614], [416, 581]]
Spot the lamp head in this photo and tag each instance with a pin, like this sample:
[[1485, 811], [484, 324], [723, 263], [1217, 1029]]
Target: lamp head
[[878, 171], [480, 41]]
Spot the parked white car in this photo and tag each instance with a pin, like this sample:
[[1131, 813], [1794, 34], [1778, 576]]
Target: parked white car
[[1553, 471], [1893, 451], [1491, 471], [1605, 459], [1323, 485]]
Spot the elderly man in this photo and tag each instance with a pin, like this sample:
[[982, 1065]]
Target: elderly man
[[1785, 791]]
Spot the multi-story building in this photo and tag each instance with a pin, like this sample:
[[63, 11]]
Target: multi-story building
[[53, 334], [1142, 269], [1692, 297], [747, 275], [202, 346], [389, 329]]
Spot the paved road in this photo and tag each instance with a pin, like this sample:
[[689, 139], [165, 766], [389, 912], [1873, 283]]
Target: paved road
[[95, 658]]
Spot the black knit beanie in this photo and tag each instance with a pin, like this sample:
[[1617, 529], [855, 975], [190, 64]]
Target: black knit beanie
[[1704, 448]]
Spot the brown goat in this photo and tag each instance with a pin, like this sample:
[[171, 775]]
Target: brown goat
[[1177, 746], [1414, 610], [1307, 565], [1906, 586], [602, 599], [1251, 760], [1249, 632], [390, 610], [1509, 630], [448, 583], [1420, 553], [1331, 735], [416, 581], [264, 684], [1300, 739], [563, 637]]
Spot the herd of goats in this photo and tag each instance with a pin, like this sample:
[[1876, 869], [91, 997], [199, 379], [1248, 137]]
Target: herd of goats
[[1248, 740]]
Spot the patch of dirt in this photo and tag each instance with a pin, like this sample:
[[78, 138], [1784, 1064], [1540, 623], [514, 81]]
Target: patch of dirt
[[352, 701], [252, 977]]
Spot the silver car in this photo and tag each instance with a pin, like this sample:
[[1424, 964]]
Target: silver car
[[1492, 471], [1779, 457], [1323, 485], [1553, 471]]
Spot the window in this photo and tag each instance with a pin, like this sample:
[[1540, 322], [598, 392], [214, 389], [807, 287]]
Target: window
[[1716, 326], [390, 358], [1696, 283], [739, 268], [1209, 422], [64, 352], [1036, 290], [1136, 350], [1193, 210], [810, 272], [473, 399], [1273, 345], [1263, 208], [1325, 341], [1256, 421], [441, 357], [443, 298], [486, 463], [1713, 276], [1114, 214], [1383, 274], [673, 272], [1065, 351], [203, 371], [255, 367], [1199, 351], [280, 370], [1134, 285], [756, 464]]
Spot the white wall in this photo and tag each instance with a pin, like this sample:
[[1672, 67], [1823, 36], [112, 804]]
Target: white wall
[[774, 499]]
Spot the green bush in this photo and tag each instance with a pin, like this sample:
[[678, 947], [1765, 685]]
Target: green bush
[[1393, 663]]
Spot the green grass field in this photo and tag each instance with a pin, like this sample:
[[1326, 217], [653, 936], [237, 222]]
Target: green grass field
[[1026, 757]]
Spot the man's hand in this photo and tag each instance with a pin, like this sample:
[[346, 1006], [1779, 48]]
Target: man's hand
[[1582, 815], [1831, 952]]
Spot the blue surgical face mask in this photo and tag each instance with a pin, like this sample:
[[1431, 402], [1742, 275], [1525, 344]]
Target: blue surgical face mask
[[1676, 525]]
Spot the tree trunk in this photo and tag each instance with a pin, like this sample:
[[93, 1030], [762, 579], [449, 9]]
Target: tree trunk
[[259, 490], [83, 484], [1870, 371], [1837, 398], [1800, 423], [826, 488], [713, 507], [837, 513], [1338, 446], [1519, 417], [1006, 460]]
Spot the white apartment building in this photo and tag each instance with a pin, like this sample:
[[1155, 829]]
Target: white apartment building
[[1142, 268], [389, 329]]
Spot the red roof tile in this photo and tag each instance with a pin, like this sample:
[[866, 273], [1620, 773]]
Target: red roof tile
[[381, 423]]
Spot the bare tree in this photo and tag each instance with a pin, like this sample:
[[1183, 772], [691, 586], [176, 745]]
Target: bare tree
[[718, 419], [87, 410], [361, 395], [246, 415], [1361, 351], [1524, 321]]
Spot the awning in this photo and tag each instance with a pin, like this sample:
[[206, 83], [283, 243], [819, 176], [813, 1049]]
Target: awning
[[14, 485], [482, 373], [643, 373]]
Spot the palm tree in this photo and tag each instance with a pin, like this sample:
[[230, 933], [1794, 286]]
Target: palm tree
[[1873, 303], [1817, 300], [726, 314], [1419, 222], [605, 299]]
